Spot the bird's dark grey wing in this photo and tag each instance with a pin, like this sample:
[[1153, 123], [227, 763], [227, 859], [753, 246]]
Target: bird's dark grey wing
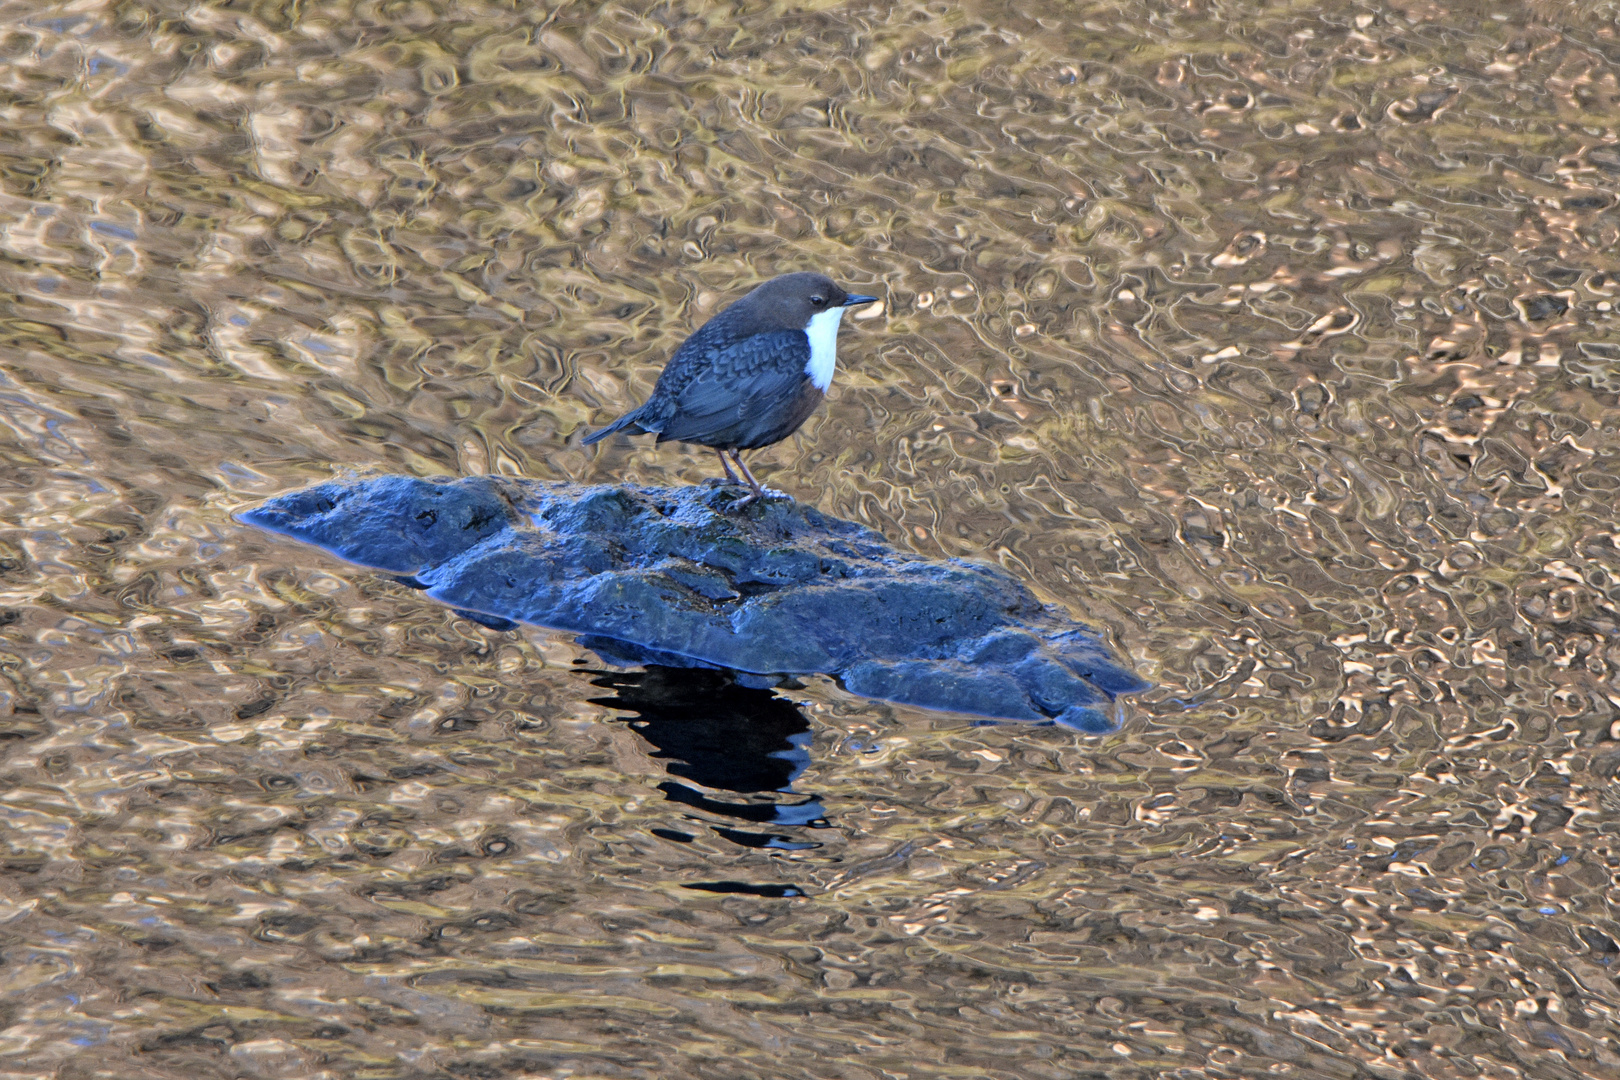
[[709, 346], [739, 386]]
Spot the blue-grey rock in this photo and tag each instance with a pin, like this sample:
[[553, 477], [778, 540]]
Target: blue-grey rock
[[664, 576]]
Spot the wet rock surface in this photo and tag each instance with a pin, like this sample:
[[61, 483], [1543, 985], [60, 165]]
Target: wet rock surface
[[667, 576]]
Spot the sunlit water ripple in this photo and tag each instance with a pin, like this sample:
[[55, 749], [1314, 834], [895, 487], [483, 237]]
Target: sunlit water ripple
[[1277, 339]]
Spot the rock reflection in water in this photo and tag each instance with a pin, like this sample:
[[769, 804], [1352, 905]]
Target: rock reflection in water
[[724, 736]]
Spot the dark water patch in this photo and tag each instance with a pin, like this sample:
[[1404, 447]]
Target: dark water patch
[[775, 892], [725, 737], [710, 730]]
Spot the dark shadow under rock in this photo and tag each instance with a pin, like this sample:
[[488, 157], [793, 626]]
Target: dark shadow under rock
[[667, 577]]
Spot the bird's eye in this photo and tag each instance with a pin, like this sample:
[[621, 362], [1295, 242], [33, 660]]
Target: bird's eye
[[818, 300]]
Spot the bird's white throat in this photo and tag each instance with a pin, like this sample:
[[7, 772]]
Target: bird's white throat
[[823, 334]]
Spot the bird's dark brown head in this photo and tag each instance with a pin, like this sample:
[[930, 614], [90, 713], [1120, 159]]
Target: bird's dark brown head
[[789, 302]]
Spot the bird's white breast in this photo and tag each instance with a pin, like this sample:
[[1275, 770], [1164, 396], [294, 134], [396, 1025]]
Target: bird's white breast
[[823, 334]]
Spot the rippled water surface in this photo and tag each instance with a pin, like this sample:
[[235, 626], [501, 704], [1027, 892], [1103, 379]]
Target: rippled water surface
[[1276, 338]]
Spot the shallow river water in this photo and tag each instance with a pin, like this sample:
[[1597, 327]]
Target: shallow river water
[[1276, 339]]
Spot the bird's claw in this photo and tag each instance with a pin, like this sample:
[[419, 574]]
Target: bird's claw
[[763, 495]]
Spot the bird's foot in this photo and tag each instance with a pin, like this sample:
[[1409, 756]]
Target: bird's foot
[[728, 496], [764, 494], [720, 484]]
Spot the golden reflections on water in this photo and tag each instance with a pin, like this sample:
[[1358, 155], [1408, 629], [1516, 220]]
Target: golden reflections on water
[[1277, 338]]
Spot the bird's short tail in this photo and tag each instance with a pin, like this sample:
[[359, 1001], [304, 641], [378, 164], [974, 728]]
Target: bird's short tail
[[627, 421]]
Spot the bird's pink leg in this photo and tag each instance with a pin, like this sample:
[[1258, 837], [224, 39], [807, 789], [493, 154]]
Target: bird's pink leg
[[726, 465], [759, 492]]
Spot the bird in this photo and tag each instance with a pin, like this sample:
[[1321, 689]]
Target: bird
[[749, 376]]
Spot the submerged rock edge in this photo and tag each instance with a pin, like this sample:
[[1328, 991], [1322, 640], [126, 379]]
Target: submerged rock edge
[[778, 588]]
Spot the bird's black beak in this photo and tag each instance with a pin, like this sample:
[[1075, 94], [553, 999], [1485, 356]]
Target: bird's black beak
[[856, 301]]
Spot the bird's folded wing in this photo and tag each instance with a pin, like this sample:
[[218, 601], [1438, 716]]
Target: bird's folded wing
[[744, 383]]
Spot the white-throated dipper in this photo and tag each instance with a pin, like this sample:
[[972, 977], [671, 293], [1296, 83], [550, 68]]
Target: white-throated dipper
[[749, 376]]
